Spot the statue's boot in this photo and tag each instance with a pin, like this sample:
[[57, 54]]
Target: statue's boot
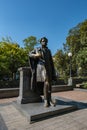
[[46, 103], [50, 101], [53, 103]]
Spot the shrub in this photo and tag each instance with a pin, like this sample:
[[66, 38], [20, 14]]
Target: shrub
[[84, 85]]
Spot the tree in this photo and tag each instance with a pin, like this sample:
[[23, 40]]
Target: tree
[[83, 32], [60, 62], [29, 43], [11, 58], [76, 42], [82, 54]]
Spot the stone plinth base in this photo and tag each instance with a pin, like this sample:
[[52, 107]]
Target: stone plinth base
[[32, 97], [37, 111], [25, 93]]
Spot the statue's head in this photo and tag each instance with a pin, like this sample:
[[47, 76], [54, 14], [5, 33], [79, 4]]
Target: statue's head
[[44, 41]]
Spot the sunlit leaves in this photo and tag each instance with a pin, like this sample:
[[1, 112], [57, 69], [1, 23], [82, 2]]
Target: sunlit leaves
[[29, 43], [12, 56]]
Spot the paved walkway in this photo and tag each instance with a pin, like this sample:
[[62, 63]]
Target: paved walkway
[[76, 95], [12, 119]]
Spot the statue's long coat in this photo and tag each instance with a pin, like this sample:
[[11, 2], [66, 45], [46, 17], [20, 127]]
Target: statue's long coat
[[45, 61]]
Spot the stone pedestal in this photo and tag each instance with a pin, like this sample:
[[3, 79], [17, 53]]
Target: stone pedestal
[[25, 93]]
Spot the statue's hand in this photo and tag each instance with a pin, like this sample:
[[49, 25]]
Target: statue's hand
[[37, 55]]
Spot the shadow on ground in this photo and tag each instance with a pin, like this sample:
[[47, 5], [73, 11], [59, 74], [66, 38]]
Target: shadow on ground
[[64, 101]]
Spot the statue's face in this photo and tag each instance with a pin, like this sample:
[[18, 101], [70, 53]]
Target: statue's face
[[43, 42]]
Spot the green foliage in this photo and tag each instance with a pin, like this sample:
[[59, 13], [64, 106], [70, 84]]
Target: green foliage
[[29, 43], [76, 42], [83, 33], [84, 85], [82, 58], [11, 58], [60, 62]]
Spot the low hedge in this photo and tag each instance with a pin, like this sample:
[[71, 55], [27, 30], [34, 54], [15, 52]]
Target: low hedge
[[9, 84]]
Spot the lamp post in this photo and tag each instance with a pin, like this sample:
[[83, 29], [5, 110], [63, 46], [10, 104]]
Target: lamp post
[[70, 78]]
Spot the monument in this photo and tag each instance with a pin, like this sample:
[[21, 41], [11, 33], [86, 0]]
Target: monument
[[30, 102], [41, 65]]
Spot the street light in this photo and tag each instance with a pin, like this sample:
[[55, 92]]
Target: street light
[[70, 56], [70, 78]]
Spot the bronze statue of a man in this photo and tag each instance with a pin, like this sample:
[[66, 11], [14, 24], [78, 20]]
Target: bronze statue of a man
[[43, 56]]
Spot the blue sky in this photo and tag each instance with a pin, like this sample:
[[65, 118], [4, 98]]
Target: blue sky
[[20, 19]]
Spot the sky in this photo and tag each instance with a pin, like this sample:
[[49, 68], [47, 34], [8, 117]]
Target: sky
[[53, 19]]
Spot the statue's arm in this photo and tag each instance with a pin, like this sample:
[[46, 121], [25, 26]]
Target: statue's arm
[[34, 54]]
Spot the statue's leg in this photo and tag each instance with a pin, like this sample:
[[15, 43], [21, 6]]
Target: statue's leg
[[50, 101], [46, 94], [33, 80]]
